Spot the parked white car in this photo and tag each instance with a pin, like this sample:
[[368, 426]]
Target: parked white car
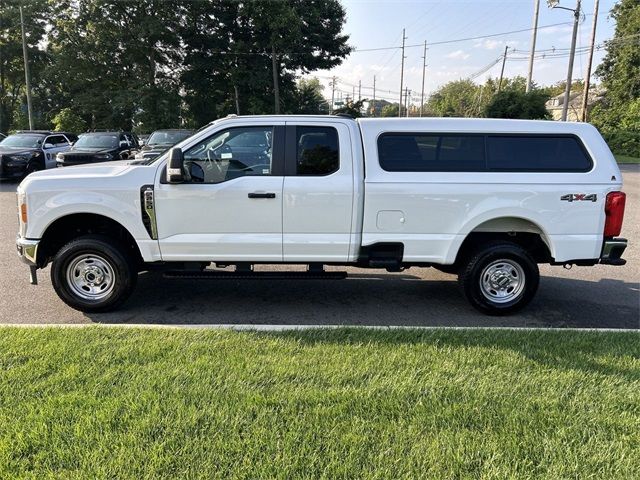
[[485, 199]]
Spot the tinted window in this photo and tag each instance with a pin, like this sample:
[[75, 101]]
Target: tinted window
[[57, 140], [416, 152], [97, 141], [531, 153], [168, 137], [317, 150], [23, 141], [230, 154]]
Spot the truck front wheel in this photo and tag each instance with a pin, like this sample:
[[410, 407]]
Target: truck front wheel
[[93, 273], [499, 278]]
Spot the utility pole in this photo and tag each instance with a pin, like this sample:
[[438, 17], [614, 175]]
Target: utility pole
[[401, 75], [276, 87], [333, 93], [407, 101], [536, 10], [587, 78], [572, 54], [504, 60], [424, 69], [567, 91], [26, 71], [359, 90], [374, 96]]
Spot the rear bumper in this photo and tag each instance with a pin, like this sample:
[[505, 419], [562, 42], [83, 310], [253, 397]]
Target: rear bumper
[[612, 250]]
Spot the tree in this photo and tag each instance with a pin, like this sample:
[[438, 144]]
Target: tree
[[116, 71], [455, 99], [309, 99], [233, 48], [558, 88], [68, 121], [352, 108], [390, 110], [518, 104], [13, 111], [620, 68]]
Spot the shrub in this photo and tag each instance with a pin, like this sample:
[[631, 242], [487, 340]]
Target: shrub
[[623, 142]]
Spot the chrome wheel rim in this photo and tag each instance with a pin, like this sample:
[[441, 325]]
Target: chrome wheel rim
[[502, 281], [90, 277]]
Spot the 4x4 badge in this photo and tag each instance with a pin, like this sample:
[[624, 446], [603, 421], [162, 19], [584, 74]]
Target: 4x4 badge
[[579, 197]]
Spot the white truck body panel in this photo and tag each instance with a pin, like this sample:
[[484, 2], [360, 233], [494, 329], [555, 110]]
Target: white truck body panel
[[439, 209]]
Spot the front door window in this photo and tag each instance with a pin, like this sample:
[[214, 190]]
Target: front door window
[[229, 154]]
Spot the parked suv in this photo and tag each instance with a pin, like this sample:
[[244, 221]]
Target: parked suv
[[27, 151], [94, 147], [161, 140]]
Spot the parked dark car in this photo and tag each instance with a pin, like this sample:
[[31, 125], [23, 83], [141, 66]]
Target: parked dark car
[[27, 151], [94, 147], [161, 140]]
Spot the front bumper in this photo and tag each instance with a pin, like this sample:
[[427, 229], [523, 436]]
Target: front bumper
[[12, 169], [27, 250], [28, 253], [612, 250]]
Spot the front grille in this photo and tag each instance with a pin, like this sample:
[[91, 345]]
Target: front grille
[[78, 159]]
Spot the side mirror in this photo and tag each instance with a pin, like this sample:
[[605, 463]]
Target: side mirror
[[48, 145], [123, 143], [174, 166]]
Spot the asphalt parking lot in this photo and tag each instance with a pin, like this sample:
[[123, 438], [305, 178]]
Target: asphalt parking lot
[[583, 297]]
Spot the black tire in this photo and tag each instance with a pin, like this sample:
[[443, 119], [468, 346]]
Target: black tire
[[499, 278], [31, 167], [88, 258]]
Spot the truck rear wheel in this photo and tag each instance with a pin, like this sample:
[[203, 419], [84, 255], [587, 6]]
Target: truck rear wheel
[[499, 278], [93, 273]]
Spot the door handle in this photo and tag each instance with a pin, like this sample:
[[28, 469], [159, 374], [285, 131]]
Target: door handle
[[261, 195]]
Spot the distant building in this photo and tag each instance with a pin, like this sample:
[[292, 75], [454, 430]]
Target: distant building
[[574, 114]]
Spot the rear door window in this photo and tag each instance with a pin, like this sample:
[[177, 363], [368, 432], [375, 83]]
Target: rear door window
[[317, 151]]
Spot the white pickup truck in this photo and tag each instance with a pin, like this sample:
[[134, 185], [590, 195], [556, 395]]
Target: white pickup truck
[[487, 200]]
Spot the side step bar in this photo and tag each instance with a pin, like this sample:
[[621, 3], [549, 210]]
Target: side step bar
[[216, 275]]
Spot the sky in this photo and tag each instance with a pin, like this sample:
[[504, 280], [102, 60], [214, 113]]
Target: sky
[[375, 24]]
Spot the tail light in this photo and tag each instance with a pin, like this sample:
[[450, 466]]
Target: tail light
[[614, 210]]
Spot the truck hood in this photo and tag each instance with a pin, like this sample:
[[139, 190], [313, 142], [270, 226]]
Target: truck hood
[[80, 176]]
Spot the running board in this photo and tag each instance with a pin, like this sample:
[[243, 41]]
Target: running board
[[215, 275]]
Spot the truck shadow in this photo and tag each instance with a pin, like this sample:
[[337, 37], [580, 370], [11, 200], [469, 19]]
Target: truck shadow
[[372, 300]]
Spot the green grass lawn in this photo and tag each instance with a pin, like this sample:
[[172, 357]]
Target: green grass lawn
[[626, 159], [166, 403]]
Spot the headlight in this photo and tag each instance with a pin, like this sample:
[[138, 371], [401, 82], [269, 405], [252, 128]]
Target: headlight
[[22, 211], [104, 156], [19, 158], [60, 157]]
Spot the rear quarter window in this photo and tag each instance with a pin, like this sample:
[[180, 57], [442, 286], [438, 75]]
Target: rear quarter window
[[513, 153]]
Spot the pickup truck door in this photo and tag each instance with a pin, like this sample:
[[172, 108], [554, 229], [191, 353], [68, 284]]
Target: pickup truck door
[[318, 192], [230, 209]]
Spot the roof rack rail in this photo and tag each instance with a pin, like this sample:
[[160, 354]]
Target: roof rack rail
[[344, 115], [46, 132]]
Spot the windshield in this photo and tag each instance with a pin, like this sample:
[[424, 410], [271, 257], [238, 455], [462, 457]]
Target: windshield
[[22, 141], [167, 138], [97, 141]]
